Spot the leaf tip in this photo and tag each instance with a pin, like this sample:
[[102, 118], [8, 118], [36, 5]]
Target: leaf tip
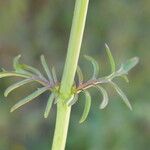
[[130, 107], [16, 59], [42, 55], [12, 109], [45, 115], [135, 59], [102, 107], [95, 65], [111, 58], [107, 47], [18, 56], [86, 56], [87, 106], [5, 94], [129, 64], [81, 121]]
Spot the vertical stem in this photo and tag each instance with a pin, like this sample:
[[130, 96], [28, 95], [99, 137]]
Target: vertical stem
[[74, 46]]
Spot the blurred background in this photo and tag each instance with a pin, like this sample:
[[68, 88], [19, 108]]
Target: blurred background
[[35, 27]]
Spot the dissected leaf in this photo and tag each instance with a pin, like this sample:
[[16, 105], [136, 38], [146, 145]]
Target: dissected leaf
[[128, 65], [49, 105], [29, 98], [45, 66], [73, 100], [121, 93], [87, 106], [80, 75], [105, 97], [111, 59], [95, 66], [54, 75], [16, 85]]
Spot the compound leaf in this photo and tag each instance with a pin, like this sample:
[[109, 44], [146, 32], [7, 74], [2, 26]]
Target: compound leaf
[[87, 106], [29, 98]]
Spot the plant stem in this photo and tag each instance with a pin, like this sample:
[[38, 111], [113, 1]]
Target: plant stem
[[74, 46]]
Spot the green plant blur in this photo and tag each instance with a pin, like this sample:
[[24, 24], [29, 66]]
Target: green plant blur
[[32, 28]]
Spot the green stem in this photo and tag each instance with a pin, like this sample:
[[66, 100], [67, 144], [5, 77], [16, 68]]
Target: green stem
[[63, 111]]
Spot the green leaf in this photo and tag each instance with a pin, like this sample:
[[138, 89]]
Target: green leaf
[[128, 65], [19, 67], [32, 70], [123, 96], [69, 99], [16, 85], [16, 63], [95, 66], [87, 106], [56, 97], [73, 100], [9, 74], [29, 98], [54, 75], [49, 105], [80, 75], [105, 97], [14, 74], [25, 69], [125, 78], [111, 59], [45, 66]]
